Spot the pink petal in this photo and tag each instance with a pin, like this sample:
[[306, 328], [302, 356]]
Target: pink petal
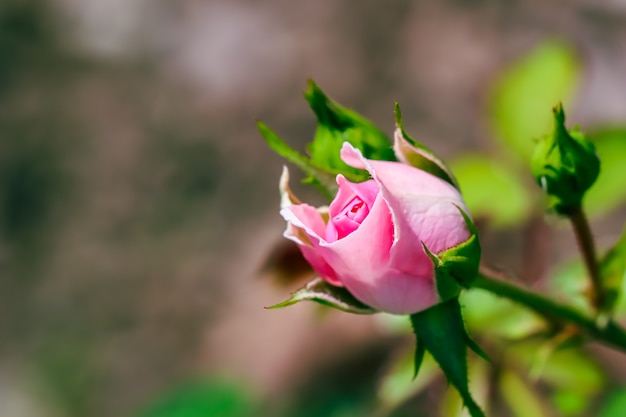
[[425, 209], [305, 226], [362, 257], [349, 192]]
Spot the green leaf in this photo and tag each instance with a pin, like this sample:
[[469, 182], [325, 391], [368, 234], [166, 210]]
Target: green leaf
[[521, 399], [322, 292], [492, 189], [201, 399], [497, 317], [612, 271], [570, 283], [570, 280], [615, 405], [336, 125], [415, 154], [608, 192], [522, 96], [567, 371], [398, 383], [571, 372], [322, 180], [570, 403], [440, 331]]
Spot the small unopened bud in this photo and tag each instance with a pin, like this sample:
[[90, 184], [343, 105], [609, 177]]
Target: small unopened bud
[[565, 165]]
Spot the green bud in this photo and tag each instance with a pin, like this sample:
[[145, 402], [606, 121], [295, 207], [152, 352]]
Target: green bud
[[565, 165]]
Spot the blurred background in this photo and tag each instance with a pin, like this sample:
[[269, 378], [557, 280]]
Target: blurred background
[[139, 204]]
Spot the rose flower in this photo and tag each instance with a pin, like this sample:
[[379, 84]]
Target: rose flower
[[372, 237]]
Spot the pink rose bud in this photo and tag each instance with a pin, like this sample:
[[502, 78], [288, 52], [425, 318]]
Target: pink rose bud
[[371, 238]]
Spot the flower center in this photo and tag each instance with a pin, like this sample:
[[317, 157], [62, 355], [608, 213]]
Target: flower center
[[356, 207], [350, 218]]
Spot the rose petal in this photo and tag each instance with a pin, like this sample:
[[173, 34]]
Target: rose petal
[[348, 191], [362, 257], [287, 197], [305, 226], [423, 207]]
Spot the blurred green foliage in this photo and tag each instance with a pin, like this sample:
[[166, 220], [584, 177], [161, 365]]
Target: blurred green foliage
[[615, 405], [492, 190], [521, 96], [206, 398], [345, 387], [608, 192]]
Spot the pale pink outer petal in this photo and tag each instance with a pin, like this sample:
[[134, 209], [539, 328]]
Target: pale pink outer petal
[[305, 226], [424, 209], [361, 258]]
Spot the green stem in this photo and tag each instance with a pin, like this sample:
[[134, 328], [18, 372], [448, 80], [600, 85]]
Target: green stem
[[588, 250], [610, 334]]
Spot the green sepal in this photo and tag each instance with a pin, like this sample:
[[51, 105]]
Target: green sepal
[[322, 292], [411, 152], [323, 181], [440, 331], [420, 350], [336, 125], [457, 267], [565, 165], [612, 271]]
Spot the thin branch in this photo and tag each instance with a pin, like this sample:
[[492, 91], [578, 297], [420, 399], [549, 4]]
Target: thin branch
[[588, 250], [610, 334]]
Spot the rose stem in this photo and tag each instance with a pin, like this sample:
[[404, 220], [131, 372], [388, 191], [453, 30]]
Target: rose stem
[[587, 248], [610, 334]]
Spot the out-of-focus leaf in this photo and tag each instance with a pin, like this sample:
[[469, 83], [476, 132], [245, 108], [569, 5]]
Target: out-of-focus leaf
[[495, 316], [570, 368], [569, 283], [615, 405], [397, 385], [202, 399], [612, 270], [521, 98], [608, 192], [322, 292], [492, 190], [570, 403], [566, 368], [521, 399], [568, 371]]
